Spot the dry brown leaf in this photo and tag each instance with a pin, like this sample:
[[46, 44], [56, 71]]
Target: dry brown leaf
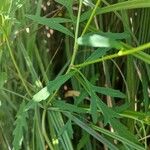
[[72, 93]]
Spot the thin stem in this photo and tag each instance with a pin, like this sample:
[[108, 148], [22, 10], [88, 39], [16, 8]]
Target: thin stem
[[15, 63], [91, 17], [119, 54], [44, 131], [123, 77], [144, 132], [38, 129], [51, 98], [75, 48]]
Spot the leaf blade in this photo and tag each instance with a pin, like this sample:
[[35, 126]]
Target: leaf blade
[[53, 23], [44, 93], [97, 40]]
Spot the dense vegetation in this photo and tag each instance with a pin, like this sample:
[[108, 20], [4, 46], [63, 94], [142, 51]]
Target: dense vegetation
[[74, 74]]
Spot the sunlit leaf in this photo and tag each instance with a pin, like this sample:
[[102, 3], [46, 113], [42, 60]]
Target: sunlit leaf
[[88, 3], [96, 40], [44, 93]]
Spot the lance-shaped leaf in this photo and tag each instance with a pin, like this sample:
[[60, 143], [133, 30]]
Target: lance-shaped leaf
[[3, 78], [68, 4], [97, 40], [20, 126], [109, 91], [44, 93], [99, 52], [53, 23]]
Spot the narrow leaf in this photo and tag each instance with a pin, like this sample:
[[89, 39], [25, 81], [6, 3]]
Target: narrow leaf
[[21, 125], [96, 40], [68, 4], [3, 78], [143, 56], [93, 107], [51, 87], [118, 137], [97, 54], [108, 113], [139, 116], [88, 3], [116, 36], [68, 107], [53, 23], [122, 130], [92, 132], [124, 5], [132, 4], [109, 92]]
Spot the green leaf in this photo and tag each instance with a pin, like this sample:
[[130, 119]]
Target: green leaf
[[85, 15], [81, 97], [68, 127], [30, 65], [92, 132], [122, 107], [97, 40], [118, 137], [44, 93], [124, 5], [21, 125], [142, 56], [88, 3], [132, 4], [61, 105], [93, 106], [122, 130], [57, 123], [97, 54], [68, 4], [115, 36], [109, 92], [93, 100], [97, 103], [139, 116], [109, 117], [83, 141], [53, 23], [3, 78], [108, 113]]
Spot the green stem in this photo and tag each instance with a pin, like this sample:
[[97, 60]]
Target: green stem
[[38, 129], [44, 131], [15, 63], [75, 48], [51, 98], [91, 17], [119, 54]]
